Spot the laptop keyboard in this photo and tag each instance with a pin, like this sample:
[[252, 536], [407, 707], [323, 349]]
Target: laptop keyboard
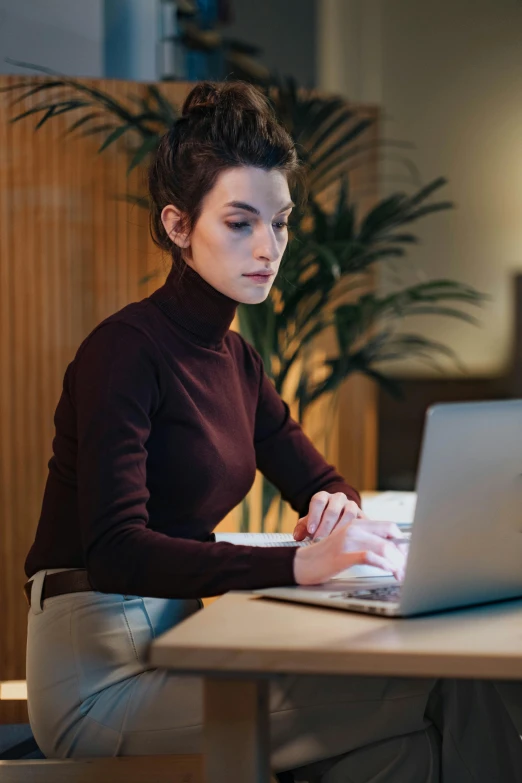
[[390, 594]]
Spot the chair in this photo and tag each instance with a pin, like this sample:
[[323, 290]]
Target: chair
[[21, 761]]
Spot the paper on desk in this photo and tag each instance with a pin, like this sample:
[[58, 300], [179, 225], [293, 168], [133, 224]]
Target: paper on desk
[[391, 507], [258, 539]]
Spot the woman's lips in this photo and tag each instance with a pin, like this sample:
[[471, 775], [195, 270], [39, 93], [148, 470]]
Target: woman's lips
[[259, 278]]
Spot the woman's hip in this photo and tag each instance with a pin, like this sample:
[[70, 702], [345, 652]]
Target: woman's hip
[[81, 644]]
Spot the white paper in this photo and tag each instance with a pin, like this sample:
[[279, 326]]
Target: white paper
[[260, 539], [391, 506]]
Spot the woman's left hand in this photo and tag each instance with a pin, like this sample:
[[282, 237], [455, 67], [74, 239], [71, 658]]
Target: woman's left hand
[[326, 510]]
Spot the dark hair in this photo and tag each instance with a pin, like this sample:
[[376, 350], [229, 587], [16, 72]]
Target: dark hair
[[222, 125]]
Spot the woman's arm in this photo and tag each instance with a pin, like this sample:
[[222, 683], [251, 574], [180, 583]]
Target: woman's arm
[[286, 456], [117, 389]]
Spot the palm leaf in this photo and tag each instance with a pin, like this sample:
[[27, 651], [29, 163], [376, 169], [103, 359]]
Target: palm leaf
[[112, 137], [324, 159], [148, 145], [97, 97], [83, 120]]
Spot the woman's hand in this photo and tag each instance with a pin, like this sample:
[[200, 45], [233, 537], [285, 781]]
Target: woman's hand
[[326, 510], [352, 542]]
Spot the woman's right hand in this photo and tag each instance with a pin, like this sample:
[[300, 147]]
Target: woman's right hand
[[352, 542]]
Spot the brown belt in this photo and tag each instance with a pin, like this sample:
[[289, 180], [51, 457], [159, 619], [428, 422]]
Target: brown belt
[[74, 581]]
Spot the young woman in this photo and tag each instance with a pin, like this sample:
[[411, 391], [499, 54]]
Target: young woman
[[164, 417]]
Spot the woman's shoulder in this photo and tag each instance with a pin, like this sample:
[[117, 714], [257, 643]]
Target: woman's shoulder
[[131, 326]]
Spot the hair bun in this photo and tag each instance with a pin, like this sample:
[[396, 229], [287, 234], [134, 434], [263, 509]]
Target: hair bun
[[228, 100], [202, 97]]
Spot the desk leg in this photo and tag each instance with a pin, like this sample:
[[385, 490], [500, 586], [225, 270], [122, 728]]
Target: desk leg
[[236, 731]]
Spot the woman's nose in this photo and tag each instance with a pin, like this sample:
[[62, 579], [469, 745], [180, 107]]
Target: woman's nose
[[266, 244]]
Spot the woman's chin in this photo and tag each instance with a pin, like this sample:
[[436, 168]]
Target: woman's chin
[[253, 295], [256, 297]]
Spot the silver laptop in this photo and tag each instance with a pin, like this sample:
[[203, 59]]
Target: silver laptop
[[466, 537]]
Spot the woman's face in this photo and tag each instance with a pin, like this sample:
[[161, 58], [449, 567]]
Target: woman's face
[[242, 229]]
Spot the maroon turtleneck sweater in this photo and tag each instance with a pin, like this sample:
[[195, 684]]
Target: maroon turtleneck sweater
[[164, 416]]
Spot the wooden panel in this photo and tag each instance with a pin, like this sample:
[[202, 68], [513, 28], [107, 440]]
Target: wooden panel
[[71, 253], [131, 769]]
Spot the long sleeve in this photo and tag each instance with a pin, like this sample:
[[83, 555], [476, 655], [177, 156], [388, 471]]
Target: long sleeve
[[116, 388], [287, 457]]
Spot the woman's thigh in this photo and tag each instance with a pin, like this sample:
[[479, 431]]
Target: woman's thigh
[[92, 692], [311, 717], [88, 647]]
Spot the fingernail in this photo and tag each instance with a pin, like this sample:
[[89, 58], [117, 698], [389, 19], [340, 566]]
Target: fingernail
[[312, 528]]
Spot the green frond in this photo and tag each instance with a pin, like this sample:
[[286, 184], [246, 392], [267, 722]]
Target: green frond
[[114, 136], [83, 120], [149, 144], [316, 135], [169, 113], [338, 146], [94, 129], [97, 96], [35, 89]]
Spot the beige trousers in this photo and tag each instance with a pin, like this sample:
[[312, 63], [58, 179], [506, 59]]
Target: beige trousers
[[91, 692]]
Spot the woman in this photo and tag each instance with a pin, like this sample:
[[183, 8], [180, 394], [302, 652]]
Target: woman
[[164, 416]]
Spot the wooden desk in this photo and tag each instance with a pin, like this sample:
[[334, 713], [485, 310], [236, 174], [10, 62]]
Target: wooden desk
[[242, 639]]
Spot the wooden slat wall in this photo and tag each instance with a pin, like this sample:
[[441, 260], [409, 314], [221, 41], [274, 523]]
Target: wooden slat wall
[[71, 254]]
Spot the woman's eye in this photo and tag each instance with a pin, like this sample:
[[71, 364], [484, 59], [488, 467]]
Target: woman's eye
[[239, 226], [236, 226]]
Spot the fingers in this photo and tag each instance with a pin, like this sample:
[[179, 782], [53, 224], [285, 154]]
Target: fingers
[[375, 560], [301, 530], [350, 543], [383, 529], [375, 549], [317, 506], [364, 557], [367, 557], [327, 510]]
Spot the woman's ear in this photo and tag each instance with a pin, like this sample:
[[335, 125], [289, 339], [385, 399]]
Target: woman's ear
[[172, 221]]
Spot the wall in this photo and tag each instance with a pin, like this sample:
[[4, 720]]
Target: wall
[[449, 78], [285, 31], [65, 35], [130, 39], [68, 35]]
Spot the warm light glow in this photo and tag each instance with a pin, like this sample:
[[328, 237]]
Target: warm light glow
[[11, 690]]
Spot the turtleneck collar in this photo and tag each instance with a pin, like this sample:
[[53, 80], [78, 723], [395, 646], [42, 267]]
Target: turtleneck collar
[[192, 303]]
